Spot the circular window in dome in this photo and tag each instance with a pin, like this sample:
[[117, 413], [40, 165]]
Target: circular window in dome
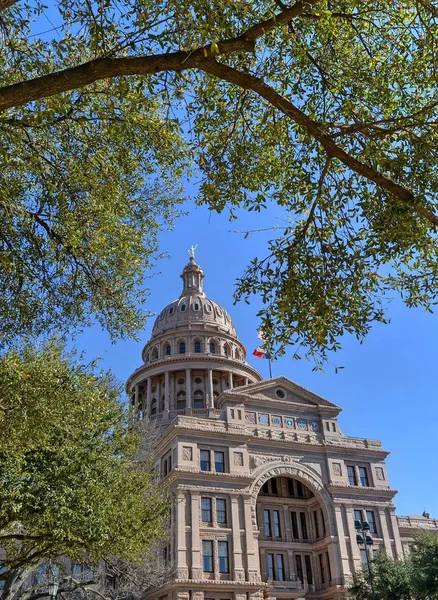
[[171, 310], [161, 314], [181, 381], [183, 308], [208, 308], [196, 307], [198, 380], [280, 393], [219, 311], [215, 381]]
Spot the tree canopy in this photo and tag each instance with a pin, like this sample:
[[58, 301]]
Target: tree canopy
[[415, 577], [73, 483], [326, 107]]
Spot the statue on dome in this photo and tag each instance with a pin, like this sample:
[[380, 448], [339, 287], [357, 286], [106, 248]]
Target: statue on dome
[[191, 251]]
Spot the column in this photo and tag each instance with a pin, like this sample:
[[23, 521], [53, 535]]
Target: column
[[189, 389], [196, 542], [137, 397], [182, 571], [230, 380], [149, 397], [210, 398], [342, 543], [246, 381], [385, 532], [159, 395], [287, 523], [251, 545], [396, 535], [166, 392], [238, 570]]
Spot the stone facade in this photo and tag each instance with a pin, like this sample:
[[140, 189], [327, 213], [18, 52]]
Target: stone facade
[[266, 486]]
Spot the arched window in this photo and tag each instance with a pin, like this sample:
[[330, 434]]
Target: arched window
[[167, 350], [180, 400], [198, 399], [212, 348], [197, 346], [182, 347], [155, 354], [227, 350]]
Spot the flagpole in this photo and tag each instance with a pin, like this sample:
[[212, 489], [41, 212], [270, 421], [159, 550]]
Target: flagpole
[[270, 367]]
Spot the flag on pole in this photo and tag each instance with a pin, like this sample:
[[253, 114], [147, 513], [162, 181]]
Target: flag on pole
[[259, 353]]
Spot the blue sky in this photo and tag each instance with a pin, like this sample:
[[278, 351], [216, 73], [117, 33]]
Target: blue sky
[[387, 388]]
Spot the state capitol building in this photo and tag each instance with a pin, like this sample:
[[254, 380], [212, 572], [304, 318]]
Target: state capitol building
[[266, 487]]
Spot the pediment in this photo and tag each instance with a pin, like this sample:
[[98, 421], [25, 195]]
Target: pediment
[[280, 389]]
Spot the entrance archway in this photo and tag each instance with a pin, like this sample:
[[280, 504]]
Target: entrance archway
[[293, 519]]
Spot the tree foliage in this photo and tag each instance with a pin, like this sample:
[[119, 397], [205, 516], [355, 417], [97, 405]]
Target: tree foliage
[[415, 577], [72, 483], [326, 107]]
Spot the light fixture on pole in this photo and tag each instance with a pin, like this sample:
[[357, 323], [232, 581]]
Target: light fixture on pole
[[362, 529], [53, 583]]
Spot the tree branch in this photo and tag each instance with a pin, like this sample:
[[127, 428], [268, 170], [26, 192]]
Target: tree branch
[[104, 68], [248, 81]]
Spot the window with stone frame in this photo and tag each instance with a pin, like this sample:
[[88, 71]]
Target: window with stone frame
[[207, 556], [363, 475], [205, 460], [221, 511], [206, 510], [223, 560], [351, 471]]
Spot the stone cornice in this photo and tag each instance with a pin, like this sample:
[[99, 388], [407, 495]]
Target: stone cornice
[[204, 428]]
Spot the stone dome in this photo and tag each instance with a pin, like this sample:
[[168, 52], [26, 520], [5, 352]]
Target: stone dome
[[193, 308]]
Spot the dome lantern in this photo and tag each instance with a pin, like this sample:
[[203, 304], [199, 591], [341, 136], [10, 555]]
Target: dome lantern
[[192, 277]]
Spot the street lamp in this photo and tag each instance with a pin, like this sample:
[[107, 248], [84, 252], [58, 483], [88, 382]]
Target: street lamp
[[363, 528], [53, 583]]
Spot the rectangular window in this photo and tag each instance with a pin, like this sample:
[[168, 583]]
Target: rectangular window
[[280, 567], [222, 552], [329, 570], [299, 565], [205, 460], [363, 477], [351, 475], [324, 532], [315, 520], [270, 564], [221, 511], [207, 556], [358, 515], [276, 515], [267, 522], [321, 567], [219, 462], [293, 516], [371, 521], [308, 569], [303, 525], [290, 486], [206, 510]]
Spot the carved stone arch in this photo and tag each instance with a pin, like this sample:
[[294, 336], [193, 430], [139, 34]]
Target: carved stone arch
[[310, 478]]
